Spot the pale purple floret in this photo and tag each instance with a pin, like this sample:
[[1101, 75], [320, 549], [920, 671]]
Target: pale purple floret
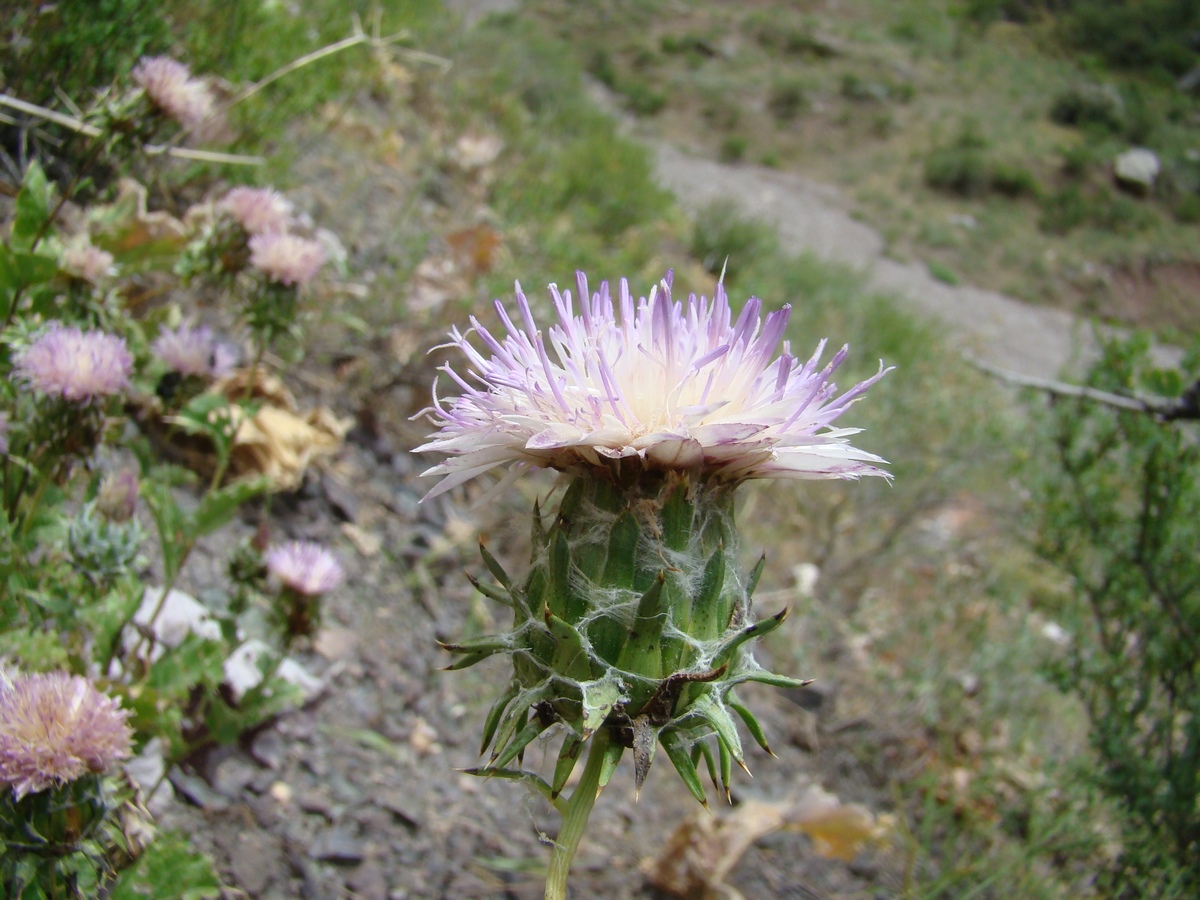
[[193, 351], [306, 567], [63, 361], [258, 210], [170, 86], [651, 382], [286, 258], [55, 728]]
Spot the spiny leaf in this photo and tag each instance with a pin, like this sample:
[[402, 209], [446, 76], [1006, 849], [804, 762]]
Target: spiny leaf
[[714, 713], [570, 657], [608, 765], [701, 748], [517, 745], [752, 724], [755, 574], [672, 742], [749, 633], [642, 652], [467, 661], [529, 778], [645, 740], [726, 769], [488, 643], [707, 619], [677, 515], [599, 698], [492, 592], [568, 755], [493, 717], [762, 676], [494, 567]]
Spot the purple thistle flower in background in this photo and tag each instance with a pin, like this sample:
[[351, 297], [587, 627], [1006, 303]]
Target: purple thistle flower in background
[[55, 728], [76, 365], [286, 258], [193, 351], [87, 262], [258, 210], [170, 86], [306, 567], [665, 385]]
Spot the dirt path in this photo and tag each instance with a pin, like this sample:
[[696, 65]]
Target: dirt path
[[813, 218]]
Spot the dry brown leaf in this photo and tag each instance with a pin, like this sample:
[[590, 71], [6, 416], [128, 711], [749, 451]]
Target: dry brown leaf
[[278, 441], [705, 848]]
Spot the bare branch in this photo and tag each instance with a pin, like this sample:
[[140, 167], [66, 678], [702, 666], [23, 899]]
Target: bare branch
[[1169, 409]]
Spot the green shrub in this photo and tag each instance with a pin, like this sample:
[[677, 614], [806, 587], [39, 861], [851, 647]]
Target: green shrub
[[643, 99], [1090, 105], [76, 45], [723, 239], [1064, 210], [961, 166], [733, 149], [1119, 512], [787, 99]]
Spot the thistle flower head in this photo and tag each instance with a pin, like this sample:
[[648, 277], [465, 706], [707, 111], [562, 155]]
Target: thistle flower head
[[73, 364], [258, 210], [654, 383], [170, 86], [286, 258], [306, 567], [193, 351], [55, 728], [87, 262]]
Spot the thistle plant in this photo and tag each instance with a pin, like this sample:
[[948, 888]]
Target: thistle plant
[[59, 736], [633, 626]]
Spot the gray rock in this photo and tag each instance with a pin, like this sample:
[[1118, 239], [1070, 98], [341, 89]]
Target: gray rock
[[1137, 169], [337, 845]]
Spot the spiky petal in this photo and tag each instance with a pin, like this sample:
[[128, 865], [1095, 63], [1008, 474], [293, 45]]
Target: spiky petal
[[55, 728], [258, 210], [170, 86], [76, 365], [287, 258], [306, 567], [653, 383]]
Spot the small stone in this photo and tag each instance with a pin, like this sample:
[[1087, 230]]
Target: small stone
[[255, 860], [368, 881], [281, 791], [315, 801], [233, 775], [367, 543], [269, 748], [423, 738], [336, 845], [196, 789], [1137, 169]]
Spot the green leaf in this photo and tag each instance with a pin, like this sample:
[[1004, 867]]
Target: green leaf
[[568, 755], [495, 713], [217, 507], [608, 765], [169, 869], [529, 778], [752, 724], [570, 658], [487, 643], [494, 567], [673, 743], [755, 574], [708, 707], [707, 608], [519, 742], [642, 653], [599, 698], [765, 626], [32, 208], [172, 525]]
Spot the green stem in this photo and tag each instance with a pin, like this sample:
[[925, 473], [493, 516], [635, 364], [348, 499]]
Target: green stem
[[575, 818]]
